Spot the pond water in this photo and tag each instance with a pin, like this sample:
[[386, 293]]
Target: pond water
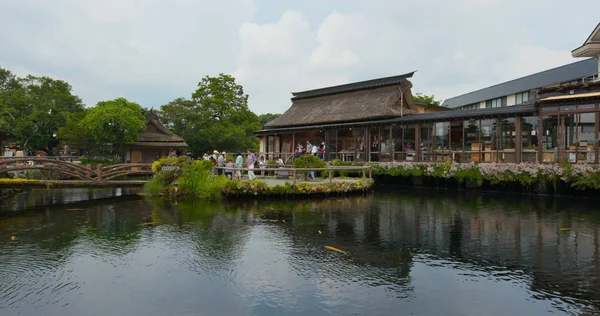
[[406, 252]]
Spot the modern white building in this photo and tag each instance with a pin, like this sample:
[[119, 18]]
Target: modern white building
[[518, 91]]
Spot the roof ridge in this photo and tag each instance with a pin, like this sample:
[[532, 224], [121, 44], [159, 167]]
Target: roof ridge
[[520, 78], [352, 86]]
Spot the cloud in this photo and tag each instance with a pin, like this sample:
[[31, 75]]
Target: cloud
[[153, 51], [107, 49]]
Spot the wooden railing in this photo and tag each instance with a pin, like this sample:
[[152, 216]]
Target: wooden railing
[[99, 174], [293, 172]]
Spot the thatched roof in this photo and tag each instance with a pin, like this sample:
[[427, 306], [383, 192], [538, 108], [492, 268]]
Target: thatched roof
[[379, 98], [157, 135]]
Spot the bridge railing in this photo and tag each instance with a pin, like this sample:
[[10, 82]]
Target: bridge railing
[[290, 172], [99, 174]]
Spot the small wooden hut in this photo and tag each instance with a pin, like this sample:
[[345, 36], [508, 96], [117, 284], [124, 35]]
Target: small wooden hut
[[156, 141]]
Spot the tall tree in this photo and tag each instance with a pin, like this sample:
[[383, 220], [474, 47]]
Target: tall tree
[[266, 118], [217, 117], [180, 116], [117, 122], [34, 108], [425, 98]]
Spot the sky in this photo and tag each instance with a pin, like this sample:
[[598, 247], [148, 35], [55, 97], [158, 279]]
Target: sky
[[153, 51]]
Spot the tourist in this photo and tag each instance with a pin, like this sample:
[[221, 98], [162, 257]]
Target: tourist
[[239, 164], [250, 162], [229, 169], [308, 147], [322, 151], [298, 153], [314, 150], [213, 158], [262, 165], [280, 163], [221, 162]]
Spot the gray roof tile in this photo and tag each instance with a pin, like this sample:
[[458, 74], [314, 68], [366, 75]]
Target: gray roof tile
[[570, 72]]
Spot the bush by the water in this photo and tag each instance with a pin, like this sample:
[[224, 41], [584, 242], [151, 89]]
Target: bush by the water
[[578, 176], [182, 177], [308, 161]]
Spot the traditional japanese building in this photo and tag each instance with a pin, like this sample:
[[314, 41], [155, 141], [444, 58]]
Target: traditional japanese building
[[377, 120], [156, 141]]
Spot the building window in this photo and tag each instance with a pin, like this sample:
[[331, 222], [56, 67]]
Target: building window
[[470, 106], [496, 103], [521, 98]]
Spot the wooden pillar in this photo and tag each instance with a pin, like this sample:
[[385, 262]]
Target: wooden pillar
[[367, 143], [325, 158], [596, 131], [540, 132], [418, 141], [99, 173], [293, 143], [518, 141]]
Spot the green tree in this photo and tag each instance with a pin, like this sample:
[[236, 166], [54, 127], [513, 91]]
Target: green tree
[[9, 85], [116, 122], [217, 117], [266, 118], [73, 134], [420, 97], [34, 108], [180, 116]]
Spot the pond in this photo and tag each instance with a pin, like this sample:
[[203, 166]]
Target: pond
[[405, 251]]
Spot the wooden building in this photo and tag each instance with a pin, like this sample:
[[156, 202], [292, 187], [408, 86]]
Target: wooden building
[[347, 107], [156, 141], [551, 119]]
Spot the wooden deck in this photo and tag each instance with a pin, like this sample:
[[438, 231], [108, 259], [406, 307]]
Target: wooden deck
[[56, 184]]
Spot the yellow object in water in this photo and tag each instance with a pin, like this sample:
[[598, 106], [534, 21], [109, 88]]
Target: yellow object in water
[[320, 232], [283, 220], [578, 218], [75, 209], [565, 228], [150, 223], [334, 249], [586, 235], [12, 237]]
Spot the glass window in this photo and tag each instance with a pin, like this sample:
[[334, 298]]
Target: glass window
[[386, 144], [549, 109], [529, 138], [568, 107], [360, 149], [456, 139], [374, 143], [397, 136], [496, 103], [587, 106], [442, 141], [332, 142], [472, 144], [426, 141], [488, 138], [409, 142], [586, 131], [345, 145], [521, 98], [550, 138], [508, 139]]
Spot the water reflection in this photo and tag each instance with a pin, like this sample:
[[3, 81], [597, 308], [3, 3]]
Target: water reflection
[[422, 253]]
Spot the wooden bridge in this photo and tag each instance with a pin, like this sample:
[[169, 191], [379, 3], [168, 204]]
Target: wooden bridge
[[79, 176]]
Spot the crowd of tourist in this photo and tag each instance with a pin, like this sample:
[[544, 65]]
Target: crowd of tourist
[[231, 166]]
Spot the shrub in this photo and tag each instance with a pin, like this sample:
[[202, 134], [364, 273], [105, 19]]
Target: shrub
[[308, 161]]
